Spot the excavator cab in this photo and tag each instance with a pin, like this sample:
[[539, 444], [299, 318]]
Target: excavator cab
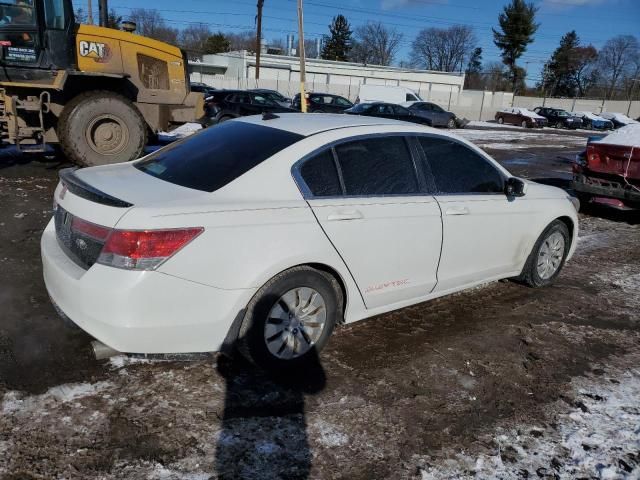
[[36, 38]]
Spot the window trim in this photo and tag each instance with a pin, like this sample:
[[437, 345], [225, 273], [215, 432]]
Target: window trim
[[431, 179], [413, 154]]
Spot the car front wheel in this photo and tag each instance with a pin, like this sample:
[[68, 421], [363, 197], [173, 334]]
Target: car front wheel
[[451, 123], [290, 319], [548, 256], [524, 124], [500, 120]]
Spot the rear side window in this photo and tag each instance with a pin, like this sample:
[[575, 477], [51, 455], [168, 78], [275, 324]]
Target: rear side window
[[212, 158], [377, 166], [458, 169], [321, 176]]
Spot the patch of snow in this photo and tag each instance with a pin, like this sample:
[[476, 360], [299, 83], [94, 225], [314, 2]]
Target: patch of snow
[[598, 438], [20, 215], [181, 132], [121, 361], [162, 473], [15, 402], [329, 435], [482, 124], [627, 136]]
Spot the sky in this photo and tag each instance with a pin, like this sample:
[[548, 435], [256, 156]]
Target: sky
[[595, 21]]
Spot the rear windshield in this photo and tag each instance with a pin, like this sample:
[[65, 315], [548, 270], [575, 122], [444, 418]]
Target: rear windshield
[[212, 158]]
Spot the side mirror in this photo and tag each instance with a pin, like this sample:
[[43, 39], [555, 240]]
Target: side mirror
[[514, 187]]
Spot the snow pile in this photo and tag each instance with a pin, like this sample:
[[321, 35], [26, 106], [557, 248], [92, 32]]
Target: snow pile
[[182, 131], [627, 136], [597, 437], [619, 117], [15, 402]]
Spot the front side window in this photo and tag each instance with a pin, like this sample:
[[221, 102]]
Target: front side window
[[216, 156], [401, 110], [320, 174], [377, 166], [262, 100], [458, 169], [410, 98], [342, 102]]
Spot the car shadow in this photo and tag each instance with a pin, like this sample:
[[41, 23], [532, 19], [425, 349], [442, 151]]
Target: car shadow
[[264, 426]]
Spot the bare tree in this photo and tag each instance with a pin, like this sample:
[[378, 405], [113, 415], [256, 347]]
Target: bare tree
[[194, 38], [375, 44], [150, 23], [242, 41], [443, 49], [616, 59]]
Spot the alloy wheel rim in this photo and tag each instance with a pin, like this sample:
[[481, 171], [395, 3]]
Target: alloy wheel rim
[[295, 323], [550, 255]]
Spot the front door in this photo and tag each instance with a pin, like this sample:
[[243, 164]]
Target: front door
[[484, 231], [387, 231]]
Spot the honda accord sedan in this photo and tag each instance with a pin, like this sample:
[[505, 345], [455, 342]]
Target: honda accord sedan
[[266, 232]]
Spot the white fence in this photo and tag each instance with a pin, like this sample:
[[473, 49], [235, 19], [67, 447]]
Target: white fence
[[471, 104]]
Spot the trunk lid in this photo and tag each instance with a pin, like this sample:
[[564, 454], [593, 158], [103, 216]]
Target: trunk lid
[[610, 159]]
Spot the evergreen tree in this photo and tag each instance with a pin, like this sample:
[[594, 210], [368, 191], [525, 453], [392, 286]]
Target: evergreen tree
[[473, 73], [337, 46], [217, 43], [517, 25], [559, 78]]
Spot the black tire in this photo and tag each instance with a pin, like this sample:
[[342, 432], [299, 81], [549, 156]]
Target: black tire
[[529, 275], [225, 118], [91, 120], [500, 120], [558, 125], [451, 124], [524, 124], [251, 339]]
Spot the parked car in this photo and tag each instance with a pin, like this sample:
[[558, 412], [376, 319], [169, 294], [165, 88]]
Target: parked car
[[225, 105], [559, 118], [591, 121], [386, 93], [439, 116], [618, 119], [608, 172], [202, 87], [267, 232], [275, 96], [388, 110], [520, 116], [322, 103]]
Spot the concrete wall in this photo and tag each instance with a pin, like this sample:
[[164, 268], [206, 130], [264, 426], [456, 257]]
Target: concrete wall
[[632, 109]]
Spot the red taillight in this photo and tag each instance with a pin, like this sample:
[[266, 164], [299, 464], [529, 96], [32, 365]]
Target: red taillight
[[97, 232], [593, 156], [144, 249]]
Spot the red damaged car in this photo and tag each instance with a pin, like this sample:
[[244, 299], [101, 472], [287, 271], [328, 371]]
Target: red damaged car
[[608, 172]]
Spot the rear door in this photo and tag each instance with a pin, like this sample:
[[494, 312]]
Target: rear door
[[367, 196], [484, 231]]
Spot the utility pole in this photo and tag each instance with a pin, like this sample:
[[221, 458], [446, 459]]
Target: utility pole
[[303, 100], [103, 13], [89, 13], [259, 38]]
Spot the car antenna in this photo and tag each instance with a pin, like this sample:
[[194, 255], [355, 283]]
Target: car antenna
[[269, 116]]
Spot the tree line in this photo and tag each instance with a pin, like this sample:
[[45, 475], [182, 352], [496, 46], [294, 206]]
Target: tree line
[[573, 70]]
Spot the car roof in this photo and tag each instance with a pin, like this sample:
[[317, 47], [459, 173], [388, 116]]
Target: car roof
[[307, 124]]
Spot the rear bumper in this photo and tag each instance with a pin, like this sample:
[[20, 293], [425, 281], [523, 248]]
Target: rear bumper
[[594, 185], [139, 312]]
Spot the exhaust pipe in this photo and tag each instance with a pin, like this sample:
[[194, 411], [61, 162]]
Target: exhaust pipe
[[102, 351]]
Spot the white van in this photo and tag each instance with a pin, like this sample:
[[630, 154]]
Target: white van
[[386, 93]]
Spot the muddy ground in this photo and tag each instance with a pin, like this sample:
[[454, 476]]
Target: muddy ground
[[498, 382]]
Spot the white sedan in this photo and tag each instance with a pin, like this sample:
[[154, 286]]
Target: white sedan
[[266, 232]]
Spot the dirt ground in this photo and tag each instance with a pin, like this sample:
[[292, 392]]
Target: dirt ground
[[499, 382]]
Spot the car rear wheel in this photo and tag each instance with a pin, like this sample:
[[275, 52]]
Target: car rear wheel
[[451, 123], [500, 120], [290, 319], [524, 124], [548, 256], [558, 125]]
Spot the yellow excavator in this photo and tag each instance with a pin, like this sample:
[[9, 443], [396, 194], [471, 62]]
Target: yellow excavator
[[97, 92]]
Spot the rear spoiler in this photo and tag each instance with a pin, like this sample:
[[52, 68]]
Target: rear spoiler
[[82, 189]]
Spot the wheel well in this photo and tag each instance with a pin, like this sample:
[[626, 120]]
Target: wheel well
[[569, 223], [331, 271]]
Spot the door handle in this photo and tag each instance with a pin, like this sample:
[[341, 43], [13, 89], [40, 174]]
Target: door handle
[[457, 211], [344, 215]]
